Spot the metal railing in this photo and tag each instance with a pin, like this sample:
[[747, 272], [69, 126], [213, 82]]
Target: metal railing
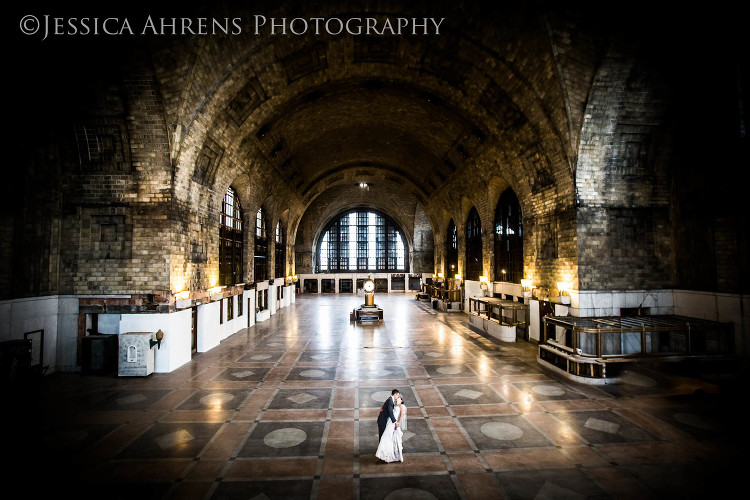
[[445, 294], [642, 336], [494, 309]]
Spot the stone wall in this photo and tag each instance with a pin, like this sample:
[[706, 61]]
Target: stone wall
[[119, 190], [423, 253], [622, 180]]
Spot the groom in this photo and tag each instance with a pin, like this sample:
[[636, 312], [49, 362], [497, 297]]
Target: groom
[[386, 412]]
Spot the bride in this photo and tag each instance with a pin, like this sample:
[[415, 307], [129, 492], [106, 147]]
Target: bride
[[391, 445]]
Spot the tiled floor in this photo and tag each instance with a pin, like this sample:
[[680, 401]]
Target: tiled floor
[[287, 409]]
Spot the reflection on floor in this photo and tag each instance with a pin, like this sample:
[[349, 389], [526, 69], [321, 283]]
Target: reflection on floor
[[287, 409]]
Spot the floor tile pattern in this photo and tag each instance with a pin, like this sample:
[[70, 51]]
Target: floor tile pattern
[[288, 408]]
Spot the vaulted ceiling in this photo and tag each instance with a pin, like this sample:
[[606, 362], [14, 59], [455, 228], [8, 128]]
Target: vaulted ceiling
[[499, 93]]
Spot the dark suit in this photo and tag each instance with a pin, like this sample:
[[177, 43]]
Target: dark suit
[[386, 412]]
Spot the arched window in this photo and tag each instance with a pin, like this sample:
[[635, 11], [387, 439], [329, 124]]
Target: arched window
[[474, 266], [230, 240], [508, 238], [451, 250], [361, 240], [261, 247], [280, 251], [260, 224]]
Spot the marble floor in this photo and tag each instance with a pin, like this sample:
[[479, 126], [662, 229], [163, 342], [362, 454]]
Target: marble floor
[[287, 408]]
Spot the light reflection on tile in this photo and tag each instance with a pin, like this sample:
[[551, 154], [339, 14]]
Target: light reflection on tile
[[298, 396]]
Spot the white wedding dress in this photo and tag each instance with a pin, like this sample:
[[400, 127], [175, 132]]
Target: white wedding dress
[[391, 447]]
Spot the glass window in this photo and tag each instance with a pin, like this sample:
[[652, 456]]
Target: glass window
[[508, 238], [361, 240], [261, 247], [230, 240], [260, 224], [280, 251]]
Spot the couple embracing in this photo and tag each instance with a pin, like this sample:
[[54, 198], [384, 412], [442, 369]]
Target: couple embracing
[[391, 426]]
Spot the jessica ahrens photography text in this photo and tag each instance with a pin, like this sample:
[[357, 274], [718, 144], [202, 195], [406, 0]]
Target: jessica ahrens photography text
[[47, 26]]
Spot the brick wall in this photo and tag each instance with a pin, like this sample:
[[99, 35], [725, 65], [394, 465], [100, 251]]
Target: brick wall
[[122, 187], [622, 179]]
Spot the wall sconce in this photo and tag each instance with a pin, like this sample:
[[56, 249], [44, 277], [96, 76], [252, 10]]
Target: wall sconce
[[527, 287], [563, 289], [215, 292], [179, 282], [484, 285], [458, 277], [157, 342], [504, 274], [182, 299], [440, 275]]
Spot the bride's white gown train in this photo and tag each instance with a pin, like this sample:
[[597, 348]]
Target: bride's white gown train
[[391, 445]]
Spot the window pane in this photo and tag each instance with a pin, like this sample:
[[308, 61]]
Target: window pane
[[259, 223], [280, 251], [509, 238], [367, 241], [230, 240], [400, 252], [324, 252]]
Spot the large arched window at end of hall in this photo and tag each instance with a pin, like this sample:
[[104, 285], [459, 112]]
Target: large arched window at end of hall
[[261, 247], [474, 266], [362, 240], [508, 238], [451, 250], [280, 251], [230, 240]]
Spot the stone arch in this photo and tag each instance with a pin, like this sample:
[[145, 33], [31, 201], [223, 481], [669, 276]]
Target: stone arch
[[408, 239], [506, 102], [504, 122]]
